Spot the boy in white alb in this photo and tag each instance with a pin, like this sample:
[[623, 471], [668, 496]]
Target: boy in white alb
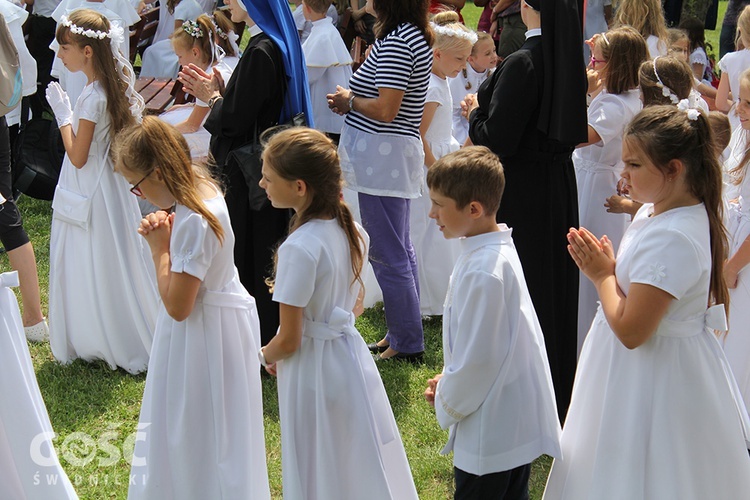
[[328, 64], [495, 392]]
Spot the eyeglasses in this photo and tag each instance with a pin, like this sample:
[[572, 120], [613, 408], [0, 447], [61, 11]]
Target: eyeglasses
[[137, 190], [594, 60]]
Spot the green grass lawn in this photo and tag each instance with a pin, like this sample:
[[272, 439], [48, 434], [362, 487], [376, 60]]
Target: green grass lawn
[[94, 410]]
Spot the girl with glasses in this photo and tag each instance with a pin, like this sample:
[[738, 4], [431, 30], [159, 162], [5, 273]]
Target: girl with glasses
[[615, 57], [202, 413]]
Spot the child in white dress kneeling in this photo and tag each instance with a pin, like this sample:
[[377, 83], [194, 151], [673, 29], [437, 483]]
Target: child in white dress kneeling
[[495, 392]]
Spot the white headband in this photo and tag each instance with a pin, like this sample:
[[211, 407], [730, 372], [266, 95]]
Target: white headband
[[125, 71], [665, 91], [445, 31]]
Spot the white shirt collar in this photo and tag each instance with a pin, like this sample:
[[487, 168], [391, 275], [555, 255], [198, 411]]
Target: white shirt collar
[[502, 237], [254, 30], [533, 32]]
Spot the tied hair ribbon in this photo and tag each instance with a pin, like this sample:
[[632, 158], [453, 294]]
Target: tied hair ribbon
[[692, 113], [116, 35], [665, 91]]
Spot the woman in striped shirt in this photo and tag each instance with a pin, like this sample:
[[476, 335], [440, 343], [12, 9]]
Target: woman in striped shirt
[[381, 158]]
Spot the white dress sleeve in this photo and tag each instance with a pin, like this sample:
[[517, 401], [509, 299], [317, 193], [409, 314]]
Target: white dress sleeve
[[666, 260], [435, 94], [606, 114], [193, 245], [296, 270], [91, 105], [187, 10]]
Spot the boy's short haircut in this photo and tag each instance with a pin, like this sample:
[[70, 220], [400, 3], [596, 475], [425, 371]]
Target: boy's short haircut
[[318, 6], [473, 173]]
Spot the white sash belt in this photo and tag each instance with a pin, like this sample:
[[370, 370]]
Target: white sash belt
[[340, 325]]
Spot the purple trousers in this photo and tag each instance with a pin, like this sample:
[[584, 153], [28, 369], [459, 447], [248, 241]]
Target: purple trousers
[[386, 220]]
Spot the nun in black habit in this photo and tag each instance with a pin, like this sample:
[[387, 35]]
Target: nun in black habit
[[532, 113]]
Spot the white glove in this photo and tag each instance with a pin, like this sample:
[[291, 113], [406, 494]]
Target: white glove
[[60, 103]]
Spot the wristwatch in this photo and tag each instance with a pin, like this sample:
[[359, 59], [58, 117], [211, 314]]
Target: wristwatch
[[213, 100], [351, 101]]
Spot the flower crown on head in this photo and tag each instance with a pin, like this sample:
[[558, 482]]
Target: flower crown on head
[[192, 28], [219, 31], [89, 33], [665, 91], [445, 31]]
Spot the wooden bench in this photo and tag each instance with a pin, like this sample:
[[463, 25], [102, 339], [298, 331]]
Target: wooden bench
[[150, 20], [156, 92]]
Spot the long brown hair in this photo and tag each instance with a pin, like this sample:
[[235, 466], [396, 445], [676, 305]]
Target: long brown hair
[[391, 13], [224, 26], [674, 73], [624, 49], [664, 133], [305, 154], [105, 68], [156, 144]]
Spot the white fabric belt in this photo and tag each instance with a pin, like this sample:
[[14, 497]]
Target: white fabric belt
[[593, 166], [223, 299], [340, 325]]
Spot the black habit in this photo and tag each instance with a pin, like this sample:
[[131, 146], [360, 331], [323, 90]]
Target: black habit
[[540, 200], [253, 95]]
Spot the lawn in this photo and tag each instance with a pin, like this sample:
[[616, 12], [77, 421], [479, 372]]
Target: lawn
[[94, 410]]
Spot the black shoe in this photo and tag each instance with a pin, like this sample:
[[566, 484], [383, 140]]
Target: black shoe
[[411, 357], [374, 347]]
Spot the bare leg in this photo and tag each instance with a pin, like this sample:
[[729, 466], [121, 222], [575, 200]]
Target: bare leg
[[22, 260]]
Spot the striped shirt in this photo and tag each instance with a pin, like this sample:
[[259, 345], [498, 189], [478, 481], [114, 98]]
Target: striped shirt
[[402, 61]]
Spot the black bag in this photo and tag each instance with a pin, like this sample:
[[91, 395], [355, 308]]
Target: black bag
[[37, 156], [247, 159]]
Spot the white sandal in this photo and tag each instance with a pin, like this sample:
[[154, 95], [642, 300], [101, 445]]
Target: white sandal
[[38, 332]]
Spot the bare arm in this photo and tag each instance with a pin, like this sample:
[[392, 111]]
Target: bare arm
[[383, 108], [723, 102], [78, 145], [737, 263], [194, 121], [178, 291], [633, 318], [427, 116], [593, 138], [288, 339]]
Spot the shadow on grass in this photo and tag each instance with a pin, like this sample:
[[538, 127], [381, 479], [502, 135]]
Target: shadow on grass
[[80, 391]]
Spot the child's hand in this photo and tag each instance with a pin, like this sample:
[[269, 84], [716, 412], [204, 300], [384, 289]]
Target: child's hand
[[595, 82], [60, 104], [271, 369], [157, 229], [429, 393], [152, 221], [618, 204], [595, 258]]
